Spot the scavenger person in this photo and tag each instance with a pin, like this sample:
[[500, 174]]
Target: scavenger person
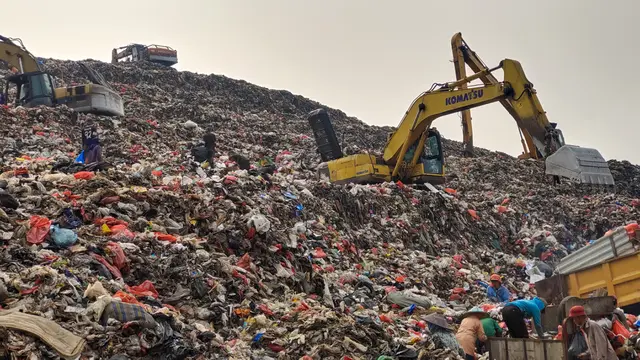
[[205, 151], [491, 329], [496, 292], [470, 331], [515, 312], [589, 340], [442, 334], [91, 144]]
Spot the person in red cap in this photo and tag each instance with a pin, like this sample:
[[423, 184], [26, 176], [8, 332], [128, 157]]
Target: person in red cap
[[496, 292], [598, 345]]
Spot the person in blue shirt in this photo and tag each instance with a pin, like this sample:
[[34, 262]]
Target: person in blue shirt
[[496, 292], [515, 312]]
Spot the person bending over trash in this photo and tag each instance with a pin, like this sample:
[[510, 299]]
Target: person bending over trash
[[496, 292], [206, 151], [442, 334], [515, 312], [589, 340], [91, 145], [470, 331]]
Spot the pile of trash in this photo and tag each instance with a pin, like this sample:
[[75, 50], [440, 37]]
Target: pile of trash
[[253, 256]]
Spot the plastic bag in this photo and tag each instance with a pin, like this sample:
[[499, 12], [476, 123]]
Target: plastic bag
[[144, 289], [63, 237], [618, 328], [80, 158], [39, 229], [578, 344], [166, 237], [118, 257], [84, 175]]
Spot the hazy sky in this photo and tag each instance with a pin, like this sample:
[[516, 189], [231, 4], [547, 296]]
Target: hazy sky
[[372, 58]]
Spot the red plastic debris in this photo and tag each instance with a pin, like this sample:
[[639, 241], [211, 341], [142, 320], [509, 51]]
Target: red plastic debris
[[245, 262], [39, 229], [473, 214], [112, 269], [144, 289], [265, 309], [165, 237], [319, 253], [84, 175], [117, 255]]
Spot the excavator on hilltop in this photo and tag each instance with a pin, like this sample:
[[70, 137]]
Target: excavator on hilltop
[[413, 153], [540, 138], [158, 54], [34, 86]]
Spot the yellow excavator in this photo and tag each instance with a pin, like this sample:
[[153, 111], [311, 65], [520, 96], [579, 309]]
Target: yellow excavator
[[413, 152], [540, 138], [34, 87]]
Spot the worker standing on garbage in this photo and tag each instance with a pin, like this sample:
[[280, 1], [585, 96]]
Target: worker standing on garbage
[[470, 331], [442, 334], [91, 144], [206, 151], [515, 312], [496, 292], [589, 340]]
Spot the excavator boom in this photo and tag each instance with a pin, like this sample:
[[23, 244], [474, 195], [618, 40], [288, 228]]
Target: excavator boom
[[16, 57], [536, 132], [413, 151]]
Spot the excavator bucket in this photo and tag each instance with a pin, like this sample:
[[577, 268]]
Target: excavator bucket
[[584, 165]]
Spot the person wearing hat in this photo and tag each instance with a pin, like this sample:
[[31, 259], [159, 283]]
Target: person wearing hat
[[596, 339], [496, 292], [515, 312], [599, 347], [470, 331], [442, 334]]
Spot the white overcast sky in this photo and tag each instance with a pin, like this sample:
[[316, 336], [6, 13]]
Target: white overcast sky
[[372, 58]]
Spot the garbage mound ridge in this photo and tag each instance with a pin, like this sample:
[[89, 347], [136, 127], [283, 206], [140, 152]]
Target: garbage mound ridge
[[159, 258]]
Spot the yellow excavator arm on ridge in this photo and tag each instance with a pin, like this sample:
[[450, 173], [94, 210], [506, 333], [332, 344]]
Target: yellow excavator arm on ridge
[[451, 98], [17, 58], [413, 152], [532, 133]]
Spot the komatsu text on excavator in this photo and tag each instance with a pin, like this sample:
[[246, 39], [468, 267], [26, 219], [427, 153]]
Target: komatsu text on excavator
[[413, 152], [34, 87]]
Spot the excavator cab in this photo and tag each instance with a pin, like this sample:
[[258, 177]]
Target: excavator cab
[[430, 165], [32, 89]]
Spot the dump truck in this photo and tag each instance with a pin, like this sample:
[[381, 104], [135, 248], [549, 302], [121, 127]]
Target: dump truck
[[607, 266], [526, 349]]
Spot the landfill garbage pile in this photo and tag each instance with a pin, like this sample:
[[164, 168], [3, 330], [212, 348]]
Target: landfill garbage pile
[[155, 256]]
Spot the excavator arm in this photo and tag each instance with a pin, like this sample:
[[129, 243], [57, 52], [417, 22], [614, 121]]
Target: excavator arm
[[17, 58], [451, 98], [532, 134]]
